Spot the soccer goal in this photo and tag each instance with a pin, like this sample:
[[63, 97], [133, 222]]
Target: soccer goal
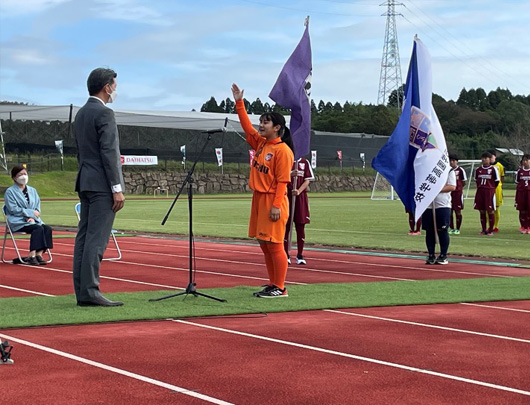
[[382, 190], [469, 166]]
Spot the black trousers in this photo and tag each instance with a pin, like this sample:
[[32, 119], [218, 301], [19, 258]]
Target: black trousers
[[442, 225], [41, 237]]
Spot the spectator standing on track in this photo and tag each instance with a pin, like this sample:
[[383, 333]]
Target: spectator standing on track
[[438, 222], [302, 175], [487, 178], [22, 208], [457, 196], [498, 190], [522, 194], [269, 175], [99, 185]]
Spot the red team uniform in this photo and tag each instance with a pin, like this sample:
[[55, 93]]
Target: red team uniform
[[487, 179], [457, 196], [301, 207], [522, 198]]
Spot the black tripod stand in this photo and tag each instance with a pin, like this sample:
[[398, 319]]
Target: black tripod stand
[[191, 288]]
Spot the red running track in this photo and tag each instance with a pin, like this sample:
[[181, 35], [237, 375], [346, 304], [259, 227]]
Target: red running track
[[435, 354], [154, 264]]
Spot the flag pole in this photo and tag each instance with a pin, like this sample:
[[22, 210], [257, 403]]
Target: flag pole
[[291, 213]]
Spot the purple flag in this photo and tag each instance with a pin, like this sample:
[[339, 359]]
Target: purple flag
[[293, 89]]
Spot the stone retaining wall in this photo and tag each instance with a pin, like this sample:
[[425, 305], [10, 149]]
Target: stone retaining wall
[[149, 182]]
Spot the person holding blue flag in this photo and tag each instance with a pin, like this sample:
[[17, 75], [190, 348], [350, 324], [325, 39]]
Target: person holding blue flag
[[415, 159]]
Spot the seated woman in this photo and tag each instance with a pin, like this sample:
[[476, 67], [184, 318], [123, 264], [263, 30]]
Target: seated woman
[[22, 206]]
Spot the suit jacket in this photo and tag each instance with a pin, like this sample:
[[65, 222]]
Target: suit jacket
[[98, 149], [17, 208]]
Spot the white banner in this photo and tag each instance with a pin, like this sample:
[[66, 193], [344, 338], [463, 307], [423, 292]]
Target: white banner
[[219, 154], [313, 159], [183, 151], [59, 146], [139, 160]]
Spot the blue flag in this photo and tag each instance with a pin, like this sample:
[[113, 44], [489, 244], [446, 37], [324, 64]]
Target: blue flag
[[414, 160], [293, 89]]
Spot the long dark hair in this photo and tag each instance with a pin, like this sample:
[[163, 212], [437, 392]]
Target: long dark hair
[[284, 132]]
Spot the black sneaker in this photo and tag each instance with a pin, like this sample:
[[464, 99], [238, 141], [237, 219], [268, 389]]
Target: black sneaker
[[265, 288], [300, 260], [430, 260], [442, 260], [273, 292]]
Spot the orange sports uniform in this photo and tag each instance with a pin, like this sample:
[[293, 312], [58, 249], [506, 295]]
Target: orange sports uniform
[[269, 175]]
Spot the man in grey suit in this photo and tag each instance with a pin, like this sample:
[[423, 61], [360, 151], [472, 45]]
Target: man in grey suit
[[99, 185]]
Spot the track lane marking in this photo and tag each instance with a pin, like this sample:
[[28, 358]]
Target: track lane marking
[[116, 370], [422, 269], [360, 358], [495, 307], [426, 325], [26, 291]]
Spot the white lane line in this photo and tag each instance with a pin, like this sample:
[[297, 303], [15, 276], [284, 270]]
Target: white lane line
[[304, 268], [115, 370], [426, 325], [215, 273], [495, 307], [26, 291], [354, 262], [360, 358], [48, 268]]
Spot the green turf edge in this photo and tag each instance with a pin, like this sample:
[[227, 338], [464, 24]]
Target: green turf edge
[[61, 310]]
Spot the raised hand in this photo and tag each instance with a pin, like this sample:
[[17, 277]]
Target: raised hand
[[237, 92]]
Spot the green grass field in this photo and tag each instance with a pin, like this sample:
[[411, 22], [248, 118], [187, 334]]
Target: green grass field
[[337, 219], [344, 220], [350, 220]]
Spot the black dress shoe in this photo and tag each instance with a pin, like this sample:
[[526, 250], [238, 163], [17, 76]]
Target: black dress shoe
[[99, 302], [41, 261]]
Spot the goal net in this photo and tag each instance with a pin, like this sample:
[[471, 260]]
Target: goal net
[[469, 166], [382, 190]]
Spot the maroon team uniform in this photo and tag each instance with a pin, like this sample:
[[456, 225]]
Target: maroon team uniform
[[522, 198], [301, 207], [457, 196], [487, 179]]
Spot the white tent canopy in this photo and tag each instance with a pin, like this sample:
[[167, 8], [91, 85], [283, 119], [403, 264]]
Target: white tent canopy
[[192, 120]]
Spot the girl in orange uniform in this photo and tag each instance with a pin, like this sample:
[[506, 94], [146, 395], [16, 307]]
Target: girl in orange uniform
[[269, 175]]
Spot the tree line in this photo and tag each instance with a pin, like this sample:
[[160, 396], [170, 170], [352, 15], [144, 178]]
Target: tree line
[[475, 122]]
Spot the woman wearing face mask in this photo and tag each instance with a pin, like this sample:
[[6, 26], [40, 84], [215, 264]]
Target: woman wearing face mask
[[22, 205]]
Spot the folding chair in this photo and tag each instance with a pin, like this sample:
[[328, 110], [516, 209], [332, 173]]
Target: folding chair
[[112, 232], [13, 240]]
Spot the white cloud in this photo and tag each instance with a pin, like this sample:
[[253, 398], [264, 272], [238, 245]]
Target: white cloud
[[9, 8]]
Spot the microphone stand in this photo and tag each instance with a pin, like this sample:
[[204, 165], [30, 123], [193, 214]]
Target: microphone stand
[[191, 288]]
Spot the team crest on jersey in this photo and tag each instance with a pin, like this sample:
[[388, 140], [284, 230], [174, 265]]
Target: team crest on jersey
[[421, 136], [302, 166], [268, 156]]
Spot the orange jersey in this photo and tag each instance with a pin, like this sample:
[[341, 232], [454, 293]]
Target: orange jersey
[[271, 167]]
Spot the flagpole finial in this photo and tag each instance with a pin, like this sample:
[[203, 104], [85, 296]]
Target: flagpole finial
[[416, 37], [306, 22]]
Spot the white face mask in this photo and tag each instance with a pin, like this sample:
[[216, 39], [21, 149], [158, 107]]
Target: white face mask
[[112, 96], [22, 180]]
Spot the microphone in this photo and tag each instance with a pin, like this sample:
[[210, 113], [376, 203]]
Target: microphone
[[214, 131]]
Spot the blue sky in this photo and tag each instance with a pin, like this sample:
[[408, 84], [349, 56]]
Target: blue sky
[[176, 54]]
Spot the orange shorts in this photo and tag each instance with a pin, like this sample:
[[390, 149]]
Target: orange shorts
[[261, 226]]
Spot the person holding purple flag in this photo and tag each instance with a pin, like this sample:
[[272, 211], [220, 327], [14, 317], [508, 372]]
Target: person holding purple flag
[[293, 89]]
